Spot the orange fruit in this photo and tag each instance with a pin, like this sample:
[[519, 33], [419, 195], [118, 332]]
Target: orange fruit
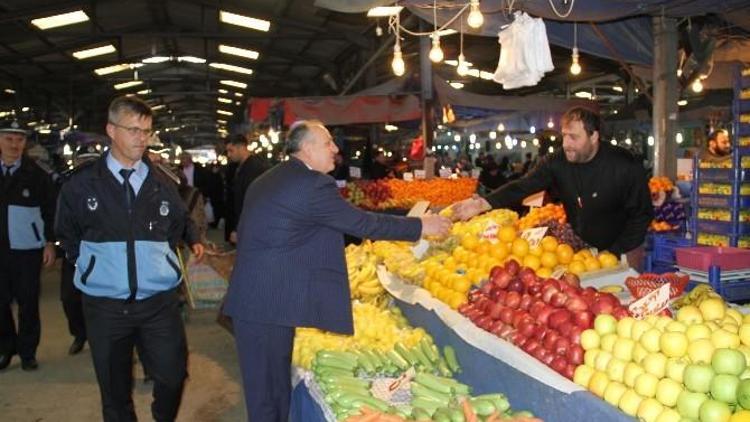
[[459, 254], [532, 262], [450, 264], [577, 267], [520, 247], [506, 234], [549, 243], [544, 272], [469, 242], [548, 259], [592, 264], [607, 260], [461, 284], [499, 251], [536, 250], [564, 253], [483, 247]]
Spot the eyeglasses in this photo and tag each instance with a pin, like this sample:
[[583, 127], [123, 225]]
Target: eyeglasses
[[133, 130]]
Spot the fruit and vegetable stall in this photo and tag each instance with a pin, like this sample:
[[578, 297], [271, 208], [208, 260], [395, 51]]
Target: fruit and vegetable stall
[[507, 319]]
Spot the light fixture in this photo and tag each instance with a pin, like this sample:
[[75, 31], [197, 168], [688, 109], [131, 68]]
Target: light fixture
[[498, 145], [475, 19], [501, 127], [613, 141], [551, 150], [239, 94], [127, 84], [191, 59], [628, 141], [224, 112], [575, 67], [92, 52], [583, 94], [383, 11], [532, 129], [697, 85], [25, 109], [235, 84], [535, 142], [508, 142], [457, 138], [487, 76], [244, 21], [236, 51], [457, 85], [232, 68], [617, 88], [493, 134], [222, 91], [63, 19], [156, 59], [224, 100], [9, 91], [144, 92], [678, 138], [397, 64], [390, 128], [472, 138], [462, 68], [523, 144], [650, 140], [436, 53], [220, 121], [116, 68], [682, 102], [550, 124], [552, 138], [158, 107]]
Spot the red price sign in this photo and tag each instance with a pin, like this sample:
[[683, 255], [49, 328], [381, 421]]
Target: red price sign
[[652, 303]]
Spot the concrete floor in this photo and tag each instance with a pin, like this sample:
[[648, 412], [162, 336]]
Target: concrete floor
[[64, 387]]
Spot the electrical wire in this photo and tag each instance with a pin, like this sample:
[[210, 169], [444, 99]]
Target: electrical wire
[[424, 34], [560, 15]]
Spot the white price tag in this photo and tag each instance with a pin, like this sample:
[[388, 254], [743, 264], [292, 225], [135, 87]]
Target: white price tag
[[490, 232], [419, 174], [355, 172], [534, 200], [475, 173], [652, 303], [445, 173], [341, 184], [594, 251], [420, 248], [408, 176], [534, 236], [385, 388]]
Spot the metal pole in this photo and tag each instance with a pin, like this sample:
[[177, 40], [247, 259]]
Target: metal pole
[[665, 96], [425, 76]]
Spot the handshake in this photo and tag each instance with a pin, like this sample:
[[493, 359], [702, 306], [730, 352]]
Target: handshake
[[439, 225]]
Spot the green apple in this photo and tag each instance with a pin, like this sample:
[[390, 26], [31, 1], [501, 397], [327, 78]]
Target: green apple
[[698, 377], [676, 368], [728, 361], [714, 410], [743, 393], [689, 404], [724, 388]]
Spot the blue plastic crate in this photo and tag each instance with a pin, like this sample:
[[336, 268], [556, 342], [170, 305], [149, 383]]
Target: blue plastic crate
[[723, 201], [664, 246], [734, 291], [742, 106], [723, 175]]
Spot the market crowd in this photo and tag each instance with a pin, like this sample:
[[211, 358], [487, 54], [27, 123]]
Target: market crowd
[[121, 216]]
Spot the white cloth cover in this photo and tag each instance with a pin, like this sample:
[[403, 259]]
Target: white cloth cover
[[525, 55]]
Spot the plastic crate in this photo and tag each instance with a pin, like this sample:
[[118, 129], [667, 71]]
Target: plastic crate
[[658, 267], [723, 227], [722, 175], [702, 257], [664, 246], [723, 201]]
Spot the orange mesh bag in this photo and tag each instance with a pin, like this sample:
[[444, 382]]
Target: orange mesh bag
[[646, 283]]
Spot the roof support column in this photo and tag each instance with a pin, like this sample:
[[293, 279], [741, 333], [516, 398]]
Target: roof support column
[[425, 76], [665, 95]]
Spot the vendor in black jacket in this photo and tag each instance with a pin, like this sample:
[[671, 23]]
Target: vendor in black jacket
[[249, 167], [603, 188], [121, 223], [27, 204]]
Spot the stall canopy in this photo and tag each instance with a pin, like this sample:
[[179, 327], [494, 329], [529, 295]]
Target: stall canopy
[[613, 29]]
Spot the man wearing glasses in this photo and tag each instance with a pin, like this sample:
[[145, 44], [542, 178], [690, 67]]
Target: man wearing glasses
[[120, 224]]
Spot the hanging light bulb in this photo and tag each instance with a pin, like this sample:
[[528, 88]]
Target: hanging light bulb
[[678, 137], [575, 67], [398, 65], [532, 129], [501, 127], [475, 19], [535, 142], [550, 124], [436, 53], [650, 141], [462, 68], [523, 144], [493, 134], [697, 85]]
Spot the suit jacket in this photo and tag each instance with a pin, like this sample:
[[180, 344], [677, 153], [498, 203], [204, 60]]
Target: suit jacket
[[290, 268]]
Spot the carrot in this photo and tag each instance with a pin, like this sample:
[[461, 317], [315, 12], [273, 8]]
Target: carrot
[[493, 417], [383, 417], [469, 414], [367, 410]]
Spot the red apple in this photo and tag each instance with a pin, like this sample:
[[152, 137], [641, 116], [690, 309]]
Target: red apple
[[506, 331], [502, 279], [525, 302], [575, 304], [512, 300], [558, 300], [516, 286], [498, 295], [550, 339], [543, 317], [506, 315], [621, 312], [550, 282], [569, 371], [571, 279], [547, 359], [566, 328], [495, 311], [575, 335], [583, 319], [575, 354], [531, 346], [527, 328], [486, 288], [534, 289], [548, 292], [558, 364], [527, 276], [495, 271], [512, 267], [484, 323], [561, 346], [559, 317], [536, 307], [518, 339]]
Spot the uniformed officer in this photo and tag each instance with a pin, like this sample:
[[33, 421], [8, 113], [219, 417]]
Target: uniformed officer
[[27, 203], [121, 223]]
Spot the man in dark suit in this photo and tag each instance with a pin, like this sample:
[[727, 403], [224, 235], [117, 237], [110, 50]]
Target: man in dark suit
[[291, 270], [249, 167]]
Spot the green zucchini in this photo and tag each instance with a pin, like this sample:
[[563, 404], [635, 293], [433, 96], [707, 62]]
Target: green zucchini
[[450, 359]]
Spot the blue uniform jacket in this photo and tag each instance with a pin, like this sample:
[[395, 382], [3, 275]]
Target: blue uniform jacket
[[290, 267], [27, 206], [115, 251]]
